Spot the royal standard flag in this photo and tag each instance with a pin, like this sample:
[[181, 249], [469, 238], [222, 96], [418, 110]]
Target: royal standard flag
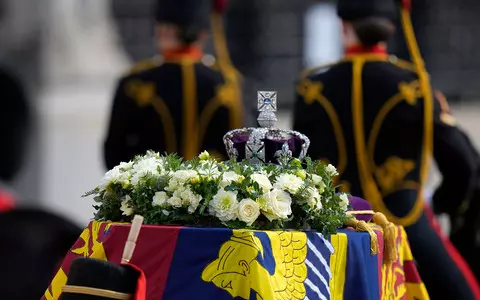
[[223, 264]]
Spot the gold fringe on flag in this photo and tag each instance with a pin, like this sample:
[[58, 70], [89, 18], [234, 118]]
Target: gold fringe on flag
[[362, 226], [389, 237]]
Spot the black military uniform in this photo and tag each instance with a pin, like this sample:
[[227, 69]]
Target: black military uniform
[[177, 103], [372, 116], [34, 243], [14, 121]]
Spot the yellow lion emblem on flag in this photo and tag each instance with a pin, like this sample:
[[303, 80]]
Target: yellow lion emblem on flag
[[270, 264]]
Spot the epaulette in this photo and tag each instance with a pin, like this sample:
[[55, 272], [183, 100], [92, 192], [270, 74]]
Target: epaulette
[[311, 71], [144, 65]]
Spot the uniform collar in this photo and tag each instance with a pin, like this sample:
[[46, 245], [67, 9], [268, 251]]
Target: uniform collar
[[359, 50], [184, 53]]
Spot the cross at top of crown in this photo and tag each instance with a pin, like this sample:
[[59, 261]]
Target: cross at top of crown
[[267, 106]]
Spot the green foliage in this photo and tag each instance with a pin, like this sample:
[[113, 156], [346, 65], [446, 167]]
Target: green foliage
[[151, 193]]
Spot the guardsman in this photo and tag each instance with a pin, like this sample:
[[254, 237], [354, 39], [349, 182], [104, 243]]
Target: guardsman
[[182, 103], [14, 121], [376, 118]]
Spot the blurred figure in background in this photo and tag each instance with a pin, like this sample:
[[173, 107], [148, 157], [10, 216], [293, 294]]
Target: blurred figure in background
[[182, 103], [376, 120], [14, 121], [33, 242]]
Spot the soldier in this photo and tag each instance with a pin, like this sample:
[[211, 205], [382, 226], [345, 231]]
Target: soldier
[[375, 118], [33, 241], [178, 103], [14, 122]]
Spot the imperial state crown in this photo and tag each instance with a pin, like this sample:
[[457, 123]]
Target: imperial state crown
[[265, 144]]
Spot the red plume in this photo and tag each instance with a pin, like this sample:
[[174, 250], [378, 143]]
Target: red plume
[[219, 6]]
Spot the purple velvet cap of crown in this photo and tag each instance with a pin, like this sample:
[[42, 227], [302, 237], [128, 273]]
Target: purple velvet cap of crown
[[357, 204], [271, 146]]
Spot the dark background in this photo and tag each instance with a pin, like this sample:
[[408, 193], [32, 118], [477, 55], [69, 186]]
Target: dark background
[[266, 41]]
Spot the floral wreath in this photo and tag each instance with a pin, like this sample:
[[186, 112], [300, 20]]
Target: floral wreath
[[165, 189]]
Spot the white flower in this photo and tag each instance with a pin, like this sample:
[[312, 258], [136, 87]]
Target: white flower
[[146, 166], [331, 170], [180, 178], [209, 171], [204, 155], [109, 177], [288, 182], [160, 199], [116, 175], [123, 166], [344, 201], [317, 179], [184, 196], [224, 205], [126, 209], [175, 201], [262, 181], [229, 177], [191, 199], [318, 182], [248, 211], [314, 199], [276, 205], [165, 212]]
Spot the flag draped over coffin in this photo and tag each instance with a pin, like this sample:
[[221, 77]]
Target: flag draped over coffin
[[223, 264]]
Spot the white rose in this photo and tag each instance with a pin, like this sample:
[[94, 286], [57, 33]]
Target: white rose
[[344, 202], [262, 181], [126, 209], [331, 170], [160, 199], [278, 205], [248, 211], [288, 182], [224, 205], [175, 202], [229, 177]]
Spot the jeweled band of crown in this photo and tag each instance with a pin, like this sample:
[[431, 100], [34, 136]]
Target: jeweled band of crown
[[265, 144]]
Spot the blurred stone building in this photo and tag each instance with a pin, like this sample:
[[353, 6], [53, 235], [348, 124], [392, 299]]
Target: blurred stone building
[[69, 54]]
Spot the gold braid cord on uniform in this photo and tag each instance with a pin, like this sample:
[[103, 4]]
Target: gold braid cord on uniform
[[190, 145], [366, 175], [426, 91], [84, 290]]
